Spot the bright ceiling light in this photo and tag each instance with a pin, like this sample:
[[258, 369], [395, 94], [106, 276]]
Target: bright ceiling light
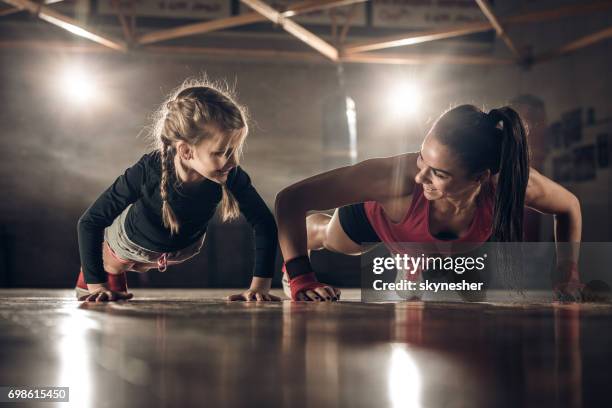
[[405, 99], [77, 85]]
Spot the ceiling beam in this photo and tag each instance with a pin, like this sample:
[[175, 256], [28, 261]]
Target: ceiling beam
[[293, 28], [347, 24], [316, 5], [576, 45], [239, 20], [67, 23], [264, 54], [199, 28], [457, 31], [488, 12], [416, 38], [7, 11], [125, 25], [12, 10], [422, 59]]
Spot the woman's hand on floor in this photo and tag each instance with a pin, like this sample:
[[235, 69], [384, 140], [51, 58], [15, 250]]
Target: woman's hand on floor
[[106, 295], [320, 294], [569, 291]]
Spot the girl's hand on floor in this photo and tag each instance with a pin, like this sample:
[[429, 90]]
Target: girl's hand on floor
[[106, 295], [254, 294]]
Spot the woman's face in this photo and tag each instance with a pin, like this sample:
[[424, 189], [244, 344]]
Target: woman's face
[[441, 173], [216, 155]]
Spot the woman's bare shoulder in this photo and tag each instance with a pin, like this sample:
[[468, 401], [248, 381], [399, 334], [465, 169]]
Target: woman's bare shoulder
[[396, 174]]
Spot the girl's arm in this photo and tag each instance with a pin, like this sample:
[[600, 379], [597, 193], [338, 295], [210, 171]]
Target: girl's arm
[[546, 196], [371, 180], [257, 213], [124, 191]]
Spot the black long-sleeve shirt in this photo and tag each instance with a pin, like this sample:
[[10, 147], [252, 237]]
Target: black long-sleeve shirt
[[144, 226]]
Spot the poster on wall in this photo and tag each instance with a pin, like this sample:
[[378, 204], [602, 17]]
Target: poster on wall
[[425, 14], [572, 126], [357, 11], [198, 9], [555, 132], [604, 148], [562, 168], [584, 163]]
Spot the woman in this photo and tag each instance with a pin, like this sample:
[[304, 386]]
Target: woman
[[470, 182]]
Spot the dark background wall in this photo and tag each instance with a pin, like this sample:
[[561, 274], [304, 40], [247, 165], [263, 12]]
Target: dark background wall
[[56, 157]]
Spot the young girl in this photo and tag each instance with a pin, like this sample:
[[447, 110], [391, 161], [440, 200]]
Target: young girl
[[469, 183], [156, 213]]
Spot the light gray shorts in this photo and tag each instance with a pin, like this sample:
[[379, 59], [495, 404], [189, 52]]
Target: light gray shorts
[[128, 252]]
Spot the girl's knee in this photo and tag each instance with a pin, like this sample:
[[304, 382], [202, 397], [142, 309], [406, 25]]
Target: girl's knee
[[142, 267], [112, 264]]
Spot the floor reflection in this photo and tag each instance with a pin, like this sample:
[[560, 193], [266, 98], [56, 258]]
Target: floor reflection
[[404, 379], [190, 348], [75, 364]]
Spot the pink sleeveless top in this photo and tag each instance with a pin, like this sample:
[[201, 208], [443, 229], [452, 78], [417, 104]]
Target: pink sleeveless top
[[415, 225]]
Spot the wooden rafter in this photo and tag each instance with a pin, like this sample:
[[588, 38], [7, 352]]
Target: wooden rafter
[[199, 28], [7, 11], [315, 5], [265, 54], [239, 20], [347, 24], [293, 28], [416, 38], [571, 10], [490, 15], [67, 23], [421, 59], [353, 55], [457, 31], [125, 25], [12, 10], [577, 44], [334, 25]]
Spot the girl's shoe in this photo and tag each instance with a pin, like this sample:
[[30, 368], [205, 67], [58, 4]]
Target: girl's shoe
[[116, 283]]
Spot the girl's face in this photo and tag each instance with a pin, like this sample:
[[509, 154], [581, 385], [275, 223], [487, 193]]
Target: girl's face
[[441, 173], [215, 156]]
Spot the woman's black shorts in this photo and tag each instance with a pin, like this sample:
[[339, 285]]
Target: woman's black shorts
[[356, 225]]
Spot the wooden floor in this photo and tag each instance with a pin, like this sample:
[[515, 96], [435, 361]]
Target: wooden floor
[[188, 348]]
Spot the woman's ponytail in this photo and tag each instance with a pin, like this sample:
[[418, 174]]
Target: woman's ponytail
[[513, 176]]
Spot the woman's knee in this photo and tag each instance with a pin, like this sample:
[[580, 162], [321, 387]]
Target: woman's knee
[[336, 239], [316, 226]]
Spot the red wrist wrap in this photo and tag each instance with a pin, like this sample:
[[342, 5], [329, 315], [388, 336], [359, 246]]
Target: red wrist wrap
[[117, 283], [303, 283], [571, 269]]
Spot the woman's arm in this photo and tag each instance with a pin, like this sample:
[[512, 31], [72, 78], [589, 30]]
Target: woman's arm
[[371, 180], [546, 196]]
